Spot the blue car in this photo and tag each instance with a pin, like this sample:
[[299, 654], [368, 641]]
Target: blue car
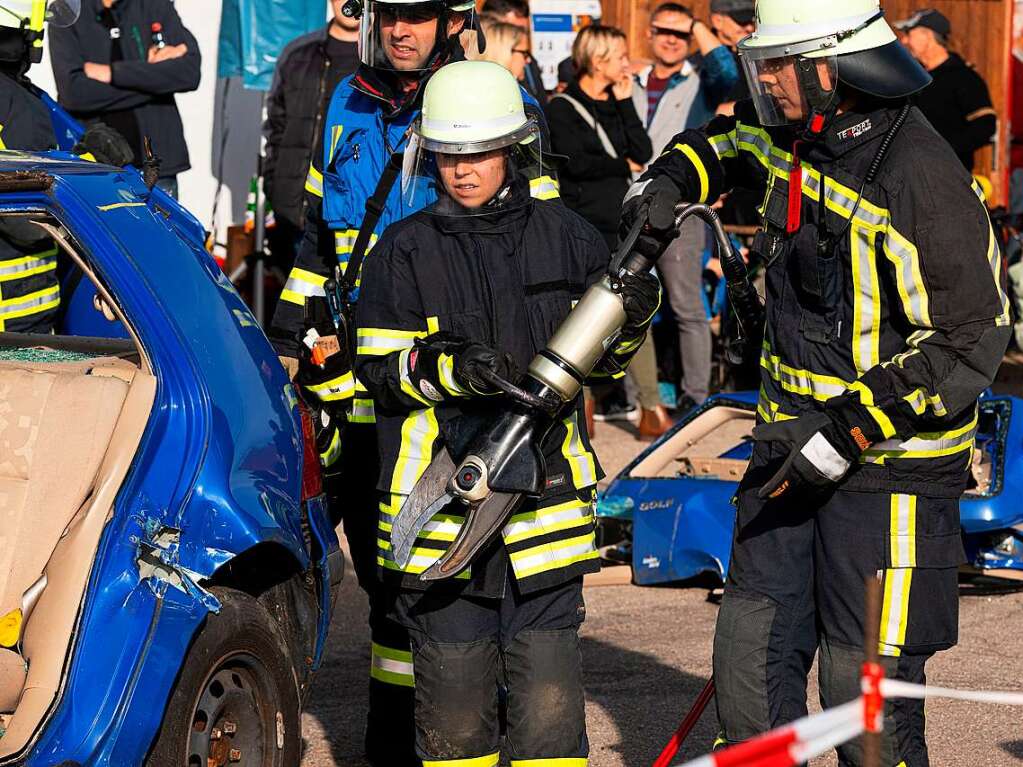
[[670, 513], [167, 565]]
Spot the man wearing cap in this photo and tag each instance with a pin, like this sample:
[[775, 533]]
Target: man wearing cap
[[732, 20], [957, 103]]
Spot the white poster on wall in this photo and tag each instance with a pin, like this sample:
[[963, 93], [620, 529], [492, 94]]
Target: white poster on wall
[[555, 25]]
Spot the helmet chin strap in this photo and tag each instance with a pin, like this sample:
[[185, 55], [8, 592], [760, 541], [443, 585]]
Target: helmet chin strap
[[823, 103]]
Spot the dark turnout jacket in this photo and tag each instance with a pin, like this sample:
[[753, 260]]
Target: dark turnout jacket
[[304, 80], [593, 183], [902, 322], [507, 280], [29, 289], [139, 100]]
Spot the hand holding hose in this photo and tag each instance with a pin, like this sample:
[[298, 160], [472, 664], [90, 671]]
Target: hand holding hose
[[653, 200]]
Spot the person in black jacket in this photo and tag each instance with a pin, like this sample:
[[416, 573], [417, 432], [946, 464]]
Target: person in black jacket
[[121, 64], [479, 281], [594, 124], [957, 103], [886, 318], [307, 73]]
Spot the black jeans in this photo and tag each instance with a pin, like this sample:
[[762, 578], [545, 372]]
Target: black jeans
[[463, 647]]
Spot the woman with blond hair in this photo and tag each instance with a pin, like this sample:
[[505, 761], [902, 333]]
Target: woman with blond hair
[[507, 45], [595, 125]]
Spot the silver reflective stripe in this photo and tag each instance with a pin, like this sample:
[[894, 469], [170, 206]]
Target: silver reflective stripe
[[920, 444], [866, 301], [549, 556], [362, 411], [908, 278], [547, 520], [329, 456], [303, 287], [22, 304], [40, 262], [580, 460], [799, 381], [418, 433]]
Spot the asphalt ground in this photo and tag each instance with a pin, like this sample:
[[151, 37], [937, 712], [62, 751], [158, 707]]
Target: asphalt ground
[[646, 655]]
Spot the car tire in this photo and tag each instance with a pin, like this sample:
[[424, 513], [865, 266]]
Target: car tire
[[236, 698]]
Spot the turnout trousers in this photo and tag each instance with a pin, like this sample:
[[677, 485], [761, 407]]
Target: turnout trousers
[[796, 586], [463, 647], [390, 728]]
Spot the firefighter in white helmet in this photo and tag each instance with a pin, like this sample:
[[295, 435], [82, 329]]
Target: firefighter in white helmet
[[478, 281], [402, 44], [886, 319]]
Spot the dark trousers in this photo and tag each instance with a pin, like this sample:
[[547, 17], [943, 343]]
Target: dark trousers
[[390, 729], [796, 586], [464, 647]]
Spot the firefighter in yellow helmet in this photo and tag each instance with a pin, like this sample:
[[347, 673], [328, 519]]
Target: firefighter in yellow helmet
[[886, 319]]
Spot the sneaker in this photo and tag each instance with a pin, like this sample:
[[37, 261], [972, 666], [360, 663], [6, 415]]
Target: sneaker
[[618, 412]]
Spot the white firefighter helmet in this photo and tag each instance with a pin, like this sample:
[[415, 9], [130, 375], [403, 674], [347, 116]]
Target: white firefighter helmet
[[30, 16], [472, 106], [376, 49], [471, 109], [819, 44]]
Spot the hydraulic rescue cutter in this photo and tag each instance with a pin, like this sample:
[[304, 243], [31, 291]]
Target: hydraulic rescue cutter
[[500, 460]]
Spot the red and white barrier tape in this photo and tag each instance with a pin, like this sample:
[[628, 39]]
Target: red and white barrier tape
[[813, 735]]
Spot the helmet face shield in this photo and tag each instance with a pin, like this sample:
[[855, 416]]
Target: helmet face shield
[[32, 14], [467, 178], [789, 88], [403, 36]]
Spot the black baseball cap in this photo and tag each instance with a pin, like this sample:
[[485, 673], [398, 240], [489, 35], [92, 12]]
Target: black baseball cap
[[741, 11], [928, 18]]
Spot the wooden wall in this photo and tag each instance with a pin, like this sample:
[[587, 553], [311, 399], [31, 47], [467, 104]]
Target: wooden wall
[[981, 33]]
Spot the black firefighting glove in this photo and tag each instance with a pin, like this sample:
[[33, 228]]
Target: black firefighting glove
[[473, 358], [820, 454], [324, 359], [641, 295], [105, 144], [655, 200]]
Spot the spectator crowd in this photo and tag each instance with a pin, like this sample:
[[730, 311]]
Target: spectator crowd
[[606, 120]]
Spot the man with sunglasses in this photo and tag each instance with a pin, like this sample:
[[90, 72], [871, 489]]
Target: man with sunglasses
[[402, 43], [672, 94]]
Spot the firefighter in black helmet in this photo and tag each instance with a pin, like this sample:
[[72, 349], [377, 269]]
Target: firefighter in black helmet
[[886, 319]]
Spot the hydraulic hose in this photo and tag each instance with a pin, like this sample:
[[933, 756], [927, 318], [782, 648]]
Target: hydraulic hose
[[746, 303]]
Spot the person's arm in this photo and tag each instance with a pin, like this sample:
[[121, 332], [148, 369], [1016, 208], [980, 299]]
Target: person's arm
[[979, 115], [273, 127], [75, 91], [567, 133], [718, 75], [177, 75], [948, 273], [703, 162], [314, 264]]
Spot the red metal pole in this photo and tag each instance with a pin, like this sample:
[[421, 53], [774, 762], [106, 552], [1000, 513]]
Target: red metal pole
[[686, 726]]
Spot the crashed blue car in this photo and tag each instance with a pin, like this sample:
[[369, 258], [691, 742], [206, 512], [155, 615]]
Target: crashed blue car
[[669, 513], [167, 564]]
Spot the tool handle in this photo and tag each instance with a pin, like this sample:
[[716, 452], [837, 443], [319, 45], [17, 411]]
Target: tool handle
[[517, 393]]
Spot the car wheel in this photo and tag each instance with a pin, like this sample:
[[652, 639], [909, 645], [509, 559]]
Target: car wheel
[[236, 698]]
